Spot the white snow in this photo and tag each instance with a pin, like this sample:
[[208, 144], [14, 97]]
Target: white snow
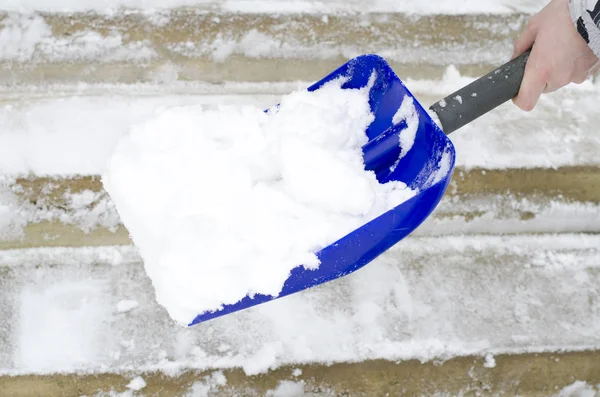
[[192, 183], [57, 323], [287, 388], [283, 6], [490, 361], [76, 134], [126, 305], [444, 166], [137, 383], [208, 385], [579, 389], [407, 113]]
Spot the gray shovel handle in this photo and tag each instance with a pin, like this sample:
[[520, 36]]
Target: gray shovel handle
[[481, 96]]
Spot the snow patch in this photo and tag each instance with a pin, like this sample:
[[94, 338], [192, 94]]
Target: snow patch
[[137, 383], [19, 36], [58, 324], [208, 385], [407, 113], [125, 306], [579, 389], [490, 361], [443, 168], [287, 388]]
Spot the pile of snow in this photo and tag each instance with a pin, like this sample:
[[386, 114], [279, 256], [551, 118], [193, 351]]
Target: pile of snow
[[225, 202]]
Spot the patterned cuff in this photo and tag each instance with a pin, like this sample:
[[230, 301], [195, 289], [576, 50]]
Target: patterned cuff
[[586, 17]]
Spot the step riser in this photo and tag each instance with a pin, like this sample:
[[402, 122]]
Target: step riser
[[218, 47], [236, 69], [526, 376], [558, 218], [78, 212]]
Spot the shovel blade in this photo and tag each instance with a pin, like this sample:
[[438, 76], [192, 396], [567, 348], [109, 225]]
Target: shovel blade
[[426, 167]]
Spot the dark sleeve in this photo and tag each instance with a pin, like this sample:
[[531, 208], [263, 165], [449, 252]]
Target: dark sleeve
[[586, 17]]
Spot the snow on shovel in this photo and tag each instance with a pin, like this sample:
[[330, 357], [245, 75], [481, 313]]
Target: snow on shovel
[[235, 207]]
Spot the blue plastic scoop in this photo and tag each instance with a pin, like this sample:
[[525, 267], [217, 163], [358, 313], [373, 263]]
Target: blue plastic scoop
[[427, 166]]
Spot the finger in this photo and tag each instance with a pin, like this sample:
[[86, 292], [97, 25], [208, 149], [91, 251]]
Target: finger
[[525, 40], [533, 85]]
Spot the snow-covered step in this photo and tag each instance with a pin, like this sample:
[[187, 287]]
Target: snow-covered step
[[201, 44], [93, 310], [76, 127]]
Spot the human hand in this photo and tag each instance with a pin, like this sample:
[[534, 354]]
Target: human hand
[[559, 55]]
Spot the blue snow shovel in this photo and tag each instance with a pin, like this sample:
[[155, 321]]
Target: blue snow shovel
[[426, 167]]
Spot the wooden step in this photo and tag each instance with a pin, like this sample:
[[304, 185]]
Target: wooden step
[[528, 375], [200, 45], [538, 200]]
